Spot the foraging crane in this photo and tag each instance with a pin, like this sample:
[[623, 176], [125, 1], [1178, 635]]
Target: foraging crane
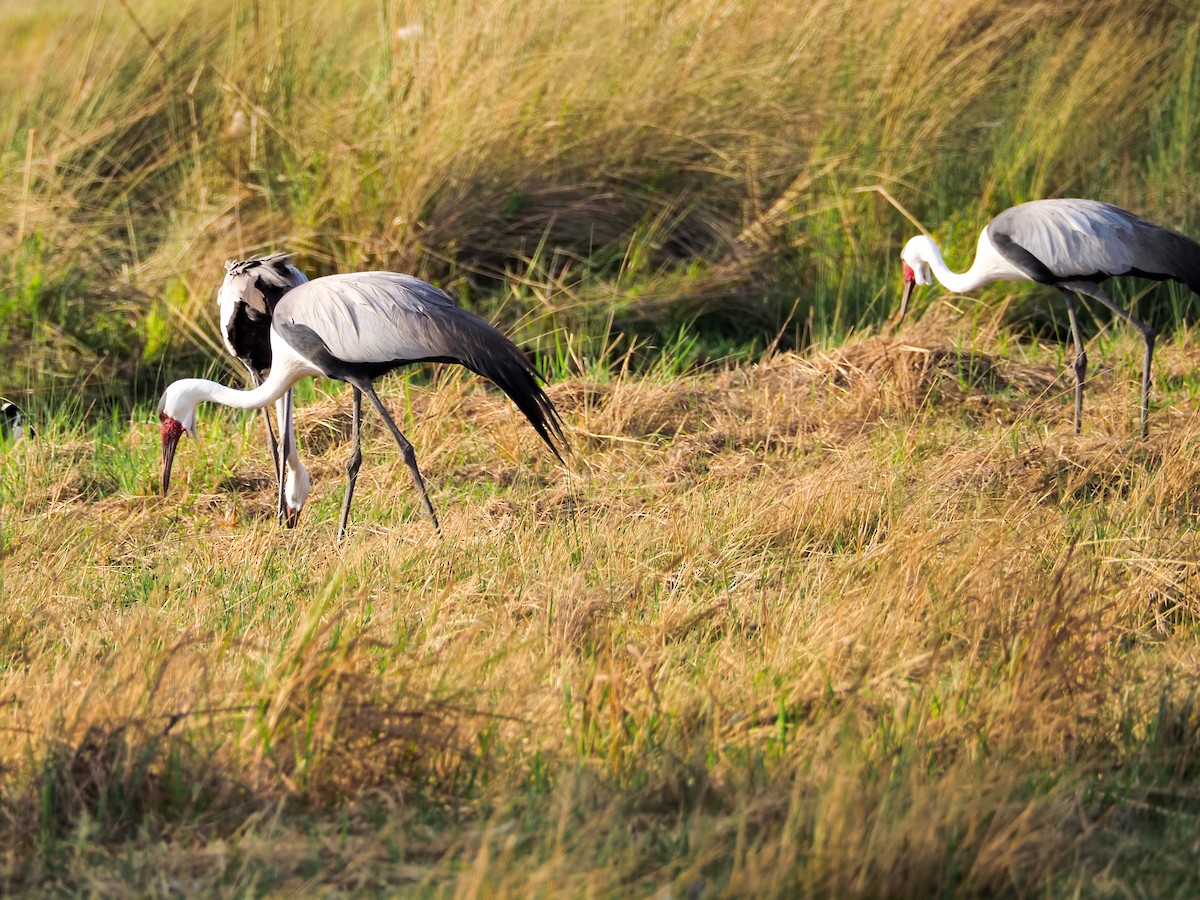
[[1070, 244], [356, 328], [247, 297]]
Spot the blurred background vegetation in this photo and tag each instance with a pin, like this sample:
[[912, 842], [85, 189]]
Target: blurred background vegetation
[[712, 178]]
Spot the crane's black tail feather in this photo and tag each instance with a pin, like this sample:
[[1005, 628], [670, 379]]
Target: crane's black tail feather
[[492, 355], [521, 383], [1184, 255]]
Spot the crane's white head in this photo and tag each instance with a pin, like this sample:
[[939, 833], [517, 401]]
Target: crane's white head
[[295, 492], [177, 415], [916, 257]]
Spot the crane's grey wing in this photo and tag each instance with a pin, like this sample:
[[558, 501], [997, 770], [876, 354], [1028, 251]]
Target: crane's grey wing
[[377, 317], [364, 324], [1058, 240]]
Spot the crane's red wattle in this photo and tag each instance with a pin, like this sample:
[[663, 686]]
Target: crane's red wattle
[[171, 430], [909, 274]]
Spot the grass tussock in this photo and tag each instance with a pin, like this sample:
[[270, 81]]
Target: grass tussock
[[848, 623]]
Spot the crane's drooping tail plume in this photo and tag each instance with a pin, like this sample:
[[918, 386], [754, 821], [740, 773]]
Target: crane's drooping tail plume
[[1181, 260], [487, 352]]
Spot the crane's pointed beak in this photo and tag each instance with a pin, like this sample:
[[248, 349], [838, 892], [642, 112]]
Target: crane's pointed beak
[[292, 517], [168, 460], [908, 289], [171, 433]]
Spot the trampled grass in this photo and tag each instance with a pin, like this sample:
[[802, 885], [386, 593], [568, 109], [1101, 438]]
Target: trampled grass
[[865, 621]]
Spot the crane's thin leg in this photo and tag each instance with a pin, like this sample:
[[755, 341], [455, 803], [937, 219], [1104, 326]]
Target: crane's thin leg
[[1148, 334], [353, 462], [1080, 364], [406, 450], [285, 447], [271, 442]]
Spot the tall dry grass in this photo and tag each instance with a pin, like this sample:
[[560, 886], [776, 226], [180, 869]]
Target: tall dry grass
[[576, 170]]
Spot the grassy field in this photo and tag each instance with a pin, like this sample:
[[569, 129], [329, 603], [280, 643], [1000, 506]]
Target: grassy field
[[867, 621], [812, 608]]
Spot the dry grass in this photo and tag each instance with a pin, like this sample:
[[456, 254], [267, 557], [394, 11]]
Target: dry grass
[[843, 623], [866, 620]]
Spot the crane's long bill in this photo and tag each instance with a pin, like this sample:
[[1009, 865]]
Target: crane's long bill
[[171, 432], [908, 289]]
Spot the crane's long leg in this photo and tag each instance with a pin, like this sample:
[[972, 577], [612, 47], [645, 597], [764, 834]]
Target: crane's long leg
[[353, 462], [1080, 364], [1149, 335], [406, 450], [271, 442]]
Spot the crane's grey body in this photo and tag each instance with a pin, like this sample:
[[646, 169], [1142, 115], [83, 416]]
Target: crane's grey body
[[383, 317], [356, 327], [1054, 241], [1074, 245]]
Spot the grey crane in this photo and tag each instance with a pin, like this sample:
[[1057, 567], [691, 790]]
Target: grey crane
[[355, 328], [1070, 244], [247, 298]]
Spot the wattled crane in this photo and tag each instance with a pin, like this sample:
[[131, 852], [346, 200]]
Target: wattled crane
[[1070, 244], [355, 328]]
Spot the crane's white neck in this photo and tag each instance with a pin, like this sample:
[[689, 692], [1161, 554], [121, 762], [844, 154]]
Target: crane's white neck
[[298, 483], [181, 398], [923, 256]]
